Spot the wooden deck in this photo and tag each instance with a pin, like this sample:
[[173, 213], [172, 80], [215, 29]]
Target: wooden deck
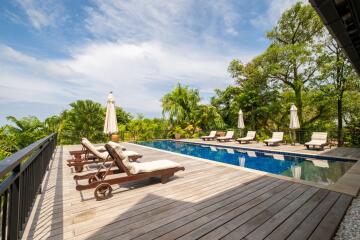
[[206, 201]]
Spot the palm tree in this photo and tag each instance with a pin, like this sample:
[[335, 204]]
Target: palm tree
[[25, 131], [184, 109], [181, 104]]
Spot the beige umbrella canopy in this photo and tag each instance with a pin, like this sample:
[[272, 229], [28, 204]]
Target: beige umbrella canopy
[[294, 119], [241, 124], [296, 171], [110, 126]]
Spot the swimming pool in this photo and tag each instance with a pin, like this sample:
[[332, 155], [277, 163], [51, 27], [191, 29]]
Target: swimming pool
[[322, 171]]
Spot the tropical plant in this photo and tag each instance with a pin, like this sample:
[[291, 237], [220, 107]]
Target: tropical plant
[[182, 106], [122, 117], [84, 119], [25, 131]]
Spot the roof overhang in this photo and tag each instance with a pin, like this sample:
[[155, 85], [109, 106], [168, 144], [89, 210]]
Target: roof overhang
[[342, 19]]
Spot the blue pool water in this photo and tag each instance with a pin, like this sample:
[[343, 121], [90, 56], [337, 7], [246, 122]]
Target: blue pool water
[[322, 171]]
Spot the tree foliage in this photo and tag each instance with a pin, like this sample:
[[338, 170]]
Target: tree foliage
[[183, 108], [292, 58]]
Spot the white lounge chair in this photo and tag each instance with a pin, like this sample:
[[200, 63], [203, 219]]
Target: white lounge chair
[[318, 139], [229, 135], [211, 136], [277, 138], [250, 136]]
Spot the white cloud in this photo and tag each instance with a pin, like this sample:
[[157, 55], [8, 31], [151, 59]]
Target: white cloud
[[140, 50], [165, 21], [42, 13], [273, 13], [139, 74]]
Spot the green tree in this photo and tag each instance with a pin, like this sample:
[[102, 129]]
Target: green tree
[[122, 117], [181, 104], [25, 131], [227, 103], [337, 77], [84, 119], [259, 101], [292, 56], [7, 143]]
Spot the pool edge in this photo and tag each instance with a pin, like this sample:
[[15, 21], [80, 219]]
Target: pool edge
[[341, 187]]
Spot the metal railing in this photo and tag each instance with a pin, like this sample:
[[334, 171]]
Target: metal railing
[[21, 177]]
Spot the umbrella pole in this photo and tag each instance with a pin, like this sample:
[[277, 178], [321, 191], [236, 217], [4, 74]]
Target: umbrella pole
[[293, 133]]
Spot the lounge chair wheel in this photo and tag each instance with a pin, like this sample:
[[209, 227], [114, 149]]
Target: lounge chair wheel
[[92, 179], [79, 168], [103, 191]]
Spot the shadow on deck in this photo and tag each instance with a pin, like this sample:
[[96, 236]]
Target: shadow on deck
[[206, 201]]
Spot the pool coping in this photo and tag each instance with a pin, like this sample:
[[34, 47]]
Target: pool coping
[[326, 157], [348, 184]]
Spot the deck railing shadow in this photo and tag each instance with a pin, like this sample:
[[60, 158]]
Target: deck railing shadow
[[42, 227]]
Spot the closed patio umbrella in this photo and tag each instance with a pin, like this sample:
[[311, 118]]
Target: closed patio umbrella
[[241, 124], [110, 126], [294, 120]]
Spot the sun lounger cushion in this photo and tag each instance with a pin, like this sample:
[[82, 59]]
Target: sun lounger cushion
[[152, 166], [249, 136], [229, 135], [101, 148], [276, 137], [104, 155], [318, 139], [92, 148], [316, 142], [114, 145], [129, 153], [245, 139], [136, 167], [273, 140]]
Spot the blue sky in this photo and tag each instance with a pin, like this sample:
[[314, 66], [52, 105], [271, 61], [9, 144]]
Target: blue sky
[[54, 52]]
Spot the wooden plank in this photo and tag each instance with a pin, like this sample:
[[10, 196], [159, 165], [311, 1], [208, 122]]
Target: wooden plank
[[210, 205], [259, 219], [194, 195], [266, 228], [328, 226], [145, 204], [309, 224], [295, 219], [183, 216], [217, 221]]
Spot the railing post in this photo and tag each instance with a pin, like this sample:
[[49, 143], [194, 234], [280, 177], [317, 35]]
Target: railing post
[[14, 206]]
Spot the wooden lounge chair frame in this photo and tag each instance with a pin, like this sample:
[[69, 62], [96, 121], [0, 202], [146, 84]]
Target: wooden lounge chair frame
[[90, 158], [102, 185], [208, 138], [242, 140]]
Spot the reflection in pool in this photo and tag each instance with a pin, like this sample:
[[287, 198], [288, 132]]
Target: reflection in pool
[[321, 171]]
